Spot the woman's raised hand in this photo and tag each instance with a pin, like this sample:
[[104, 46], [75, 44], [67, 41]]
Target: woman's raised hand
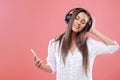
[[38, 62]]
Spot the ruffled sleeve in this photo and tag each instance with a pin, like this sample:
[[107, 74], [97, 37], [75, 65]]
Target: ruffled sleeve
[[51, 61], [99, 47]]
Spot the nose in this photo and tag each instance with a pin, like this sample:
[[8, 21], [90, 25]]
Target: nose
[[78, 22]]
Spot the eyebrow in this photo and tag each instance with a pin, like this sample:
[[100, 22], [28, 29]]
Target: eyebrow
[[82, 19]]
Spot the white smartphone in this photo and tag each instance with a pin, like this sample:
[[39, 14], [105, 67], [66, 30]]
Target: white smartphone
[[35, 55]]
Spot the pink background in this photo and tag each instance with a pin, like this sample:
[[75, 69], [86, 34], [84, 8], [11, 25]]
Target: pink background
[[26, 24]]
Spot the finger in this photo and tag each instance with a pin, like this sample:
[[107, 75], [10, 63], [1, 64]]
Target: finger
[[39, 64], [34, 58], [94, 20]]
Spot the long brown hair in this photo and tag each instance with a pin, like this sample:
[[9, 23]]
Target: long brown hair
[[81, 38]]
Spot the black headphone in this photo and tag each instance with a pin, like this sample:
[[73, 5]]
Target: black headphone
[[69, 14]]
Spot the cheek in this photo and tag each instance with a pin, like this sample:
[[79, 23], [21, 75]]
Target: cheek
[[75, 21], [82, 26]]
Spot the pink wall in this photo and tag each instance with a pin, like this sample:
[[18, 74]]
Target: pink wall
[[26, 24]]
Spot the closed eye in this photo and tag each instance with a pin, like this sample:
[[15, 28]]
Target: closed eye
[[83, 21]]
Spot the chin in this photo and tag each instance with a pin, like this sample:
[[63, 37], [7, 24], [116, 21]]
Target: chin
[[76, 30]]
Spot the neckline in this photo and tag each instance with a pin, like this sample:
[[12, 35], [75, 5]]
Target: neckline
[[72, 54]]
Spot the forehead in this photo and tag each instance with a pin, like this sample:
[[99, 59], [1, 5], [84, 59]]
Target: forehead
[[82, 15]]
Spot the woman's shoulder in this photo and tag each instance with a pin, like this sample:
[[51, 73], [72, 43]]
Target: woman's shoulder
[[54, 41], [91, 41]]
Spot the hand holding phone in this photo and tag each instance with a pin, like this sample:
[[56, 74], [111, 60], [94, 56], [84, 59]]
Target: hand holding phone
[[35, 55], [37, 60]]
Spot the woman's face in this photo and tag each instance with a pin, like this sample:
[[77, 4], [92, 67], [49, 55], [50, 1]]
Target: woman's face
[[79, 22]]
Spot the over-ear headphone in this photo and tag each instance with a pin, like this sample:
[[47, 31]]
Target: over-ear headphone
[[69, 14]]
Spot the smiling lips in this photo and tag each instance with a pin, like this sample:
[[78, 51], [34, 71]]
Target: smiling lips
[[76, 26]]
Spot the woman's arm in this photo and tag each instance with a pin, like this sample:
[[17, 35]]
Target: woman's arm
[[39, 63], [104, 38]]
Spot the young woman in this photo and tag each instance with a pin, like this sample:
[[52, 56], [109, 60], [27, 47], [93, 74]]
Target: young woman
[[71, 55]]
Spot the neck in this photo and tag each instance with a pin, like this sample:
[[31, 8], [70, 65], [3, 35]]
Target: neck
[[73, 38]]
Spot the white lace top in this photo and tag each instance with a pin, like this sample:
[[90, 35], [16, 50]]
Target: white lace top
[[73, 69]]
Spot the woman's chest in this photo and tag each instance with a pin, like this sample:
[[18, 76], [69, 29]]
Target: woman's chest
[[71, 59]]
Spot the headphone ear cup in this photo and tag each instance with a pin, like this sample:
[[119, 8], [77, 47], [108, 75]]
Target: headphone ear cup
[[67, 18], [88, 28], [89, 24]]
